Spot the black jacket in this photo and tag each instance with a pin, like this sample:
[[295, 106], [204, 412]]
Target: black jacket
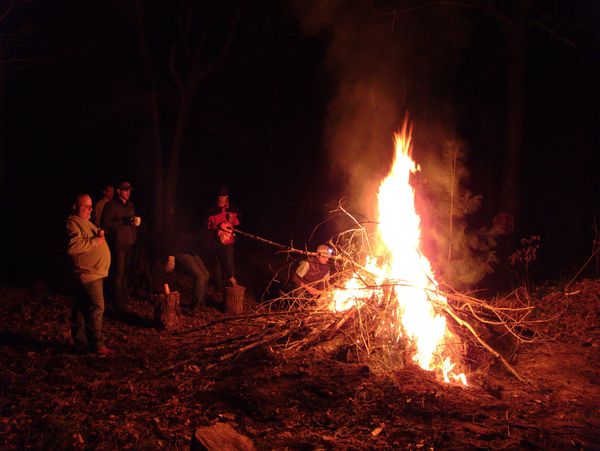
[[117, 220]]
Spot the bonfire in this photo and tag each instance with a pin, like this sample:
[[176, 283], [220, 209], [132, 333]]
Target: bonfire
[[383, 306]]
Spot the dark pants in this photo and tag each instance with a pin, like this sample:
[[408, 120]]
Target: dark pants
[[225, 265], [86, 314], [193, 265], [122, 263]]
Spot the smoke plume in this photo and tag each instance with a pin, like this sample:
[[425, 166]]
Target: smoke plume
[[387, 64]]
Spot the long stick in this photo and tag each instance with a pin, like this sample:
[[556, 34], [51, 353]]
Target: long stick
[[239, 351], [281, 246]]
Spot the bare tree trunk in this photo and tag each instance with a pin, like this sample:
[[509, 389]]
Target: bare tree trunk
[[2, 162], [173, 168], [511, 180], [186, 81], [187, 90], [157, 152]]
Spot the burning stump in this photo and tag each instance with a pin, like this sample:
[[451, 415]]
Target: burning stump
[[167, 310]]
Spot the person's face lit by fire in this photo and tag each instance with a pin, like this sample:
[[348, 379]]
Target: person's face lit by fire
[[222, 201], [109, 192], [323, 254], [124, 194], [83, 207]]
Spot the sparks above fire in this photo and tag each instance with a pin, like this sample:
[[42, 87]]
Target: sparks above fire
[[403, 272]]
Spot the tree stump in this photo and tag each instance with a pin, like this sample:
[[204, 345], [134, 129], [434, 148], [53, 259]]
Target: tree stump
[[234, 299], [167, 310]]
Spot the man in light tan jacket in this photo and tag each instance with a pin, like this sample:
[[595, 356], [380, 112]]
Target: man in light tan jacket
[[90, 257]]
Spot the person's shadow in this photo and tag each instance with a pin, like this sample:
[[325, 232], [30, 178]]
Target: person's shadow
[[28, 343], [130, 318]]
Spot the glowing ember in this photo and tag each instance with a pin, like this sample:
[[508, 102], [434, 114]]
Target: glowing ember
[[398, 241]]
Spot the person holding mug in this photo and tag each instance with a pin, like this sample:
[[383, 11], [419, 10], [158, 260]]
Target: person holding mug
[[90, 258], [120, 223]]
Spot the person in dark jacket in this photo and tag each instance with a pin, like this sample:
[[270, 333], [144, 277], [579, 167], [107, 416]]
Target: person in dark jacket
[[120, 222], [109, 194], [90, 257], [221, 218], [312, 273], [190, 252]]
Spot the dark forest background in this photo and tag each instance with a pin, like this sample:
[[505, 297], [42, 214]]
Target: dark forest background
[[293, 106]]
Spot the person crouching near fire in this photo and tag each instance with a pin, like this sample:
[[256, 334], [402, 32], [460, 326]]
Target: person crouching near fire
[[90, 257], [191, 250], [312, 274]]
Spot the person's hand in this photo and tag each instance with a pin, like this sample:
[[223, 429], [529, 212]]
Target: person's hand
[[233, 281], [97, 241], [224, 232], [170, 265]]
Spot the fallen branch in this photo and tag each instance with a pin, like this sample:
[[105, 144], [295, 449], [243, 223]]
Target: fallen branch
[[495, 353]]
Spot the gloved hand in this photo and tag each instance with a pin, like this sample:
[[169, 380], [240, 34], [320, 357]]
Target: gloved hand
[[224, 232], [170, 265]]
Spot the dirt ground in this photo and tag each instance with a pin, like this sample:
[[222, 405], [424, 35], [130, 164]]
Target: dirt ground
[[158, 387]]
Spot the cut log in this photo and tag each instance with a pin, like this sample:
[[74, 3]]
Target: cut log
[[220, 437], [167, 310], [234, 299]]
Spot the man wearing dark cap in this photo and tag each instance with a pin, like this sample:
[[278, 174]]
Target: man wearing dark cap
[[120, 222]]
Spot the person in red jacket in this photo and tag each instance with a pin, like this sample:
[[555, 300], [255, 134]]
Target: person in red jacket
[[221, 218]]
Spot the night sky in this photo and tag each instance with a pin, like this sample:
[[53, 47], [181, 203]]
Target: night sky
[[298, 114]]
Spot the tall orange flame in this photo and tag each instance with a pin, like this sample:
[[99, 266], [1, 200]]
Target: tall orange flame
[[416, 291]]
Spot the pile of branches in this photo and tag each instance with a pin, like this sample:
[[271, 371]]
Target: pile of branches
[[367, 332]]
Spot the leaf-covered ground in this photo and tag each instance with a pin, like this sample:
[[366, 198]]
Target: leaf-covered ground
[[158, 387]]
